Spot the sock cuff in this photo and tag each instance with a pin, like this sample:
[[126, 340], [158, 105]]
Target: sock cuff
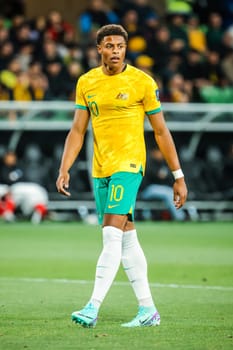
[[130, 232], [111, 233]]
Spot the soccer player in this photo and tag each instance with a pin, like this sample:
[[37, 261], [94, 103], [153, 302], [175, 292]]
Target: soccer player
[[115, 97]]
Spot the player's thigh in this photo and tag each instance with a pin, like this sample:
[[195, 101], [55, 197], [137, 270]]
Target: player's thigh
[[100, 188]]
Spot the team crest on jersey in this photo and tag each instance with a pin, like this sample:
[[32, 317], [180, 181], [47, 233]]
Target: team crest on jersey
[[157, 94], [122, 96]]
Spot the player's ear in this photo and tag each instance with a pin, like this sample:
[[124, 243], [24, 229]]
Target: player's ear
[[98, 48]]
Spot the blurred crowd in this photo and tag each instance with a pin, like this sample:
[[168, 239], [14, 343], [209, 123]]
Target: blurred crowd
[[188, 49], [208, 178], [20, 191], [27, 181]]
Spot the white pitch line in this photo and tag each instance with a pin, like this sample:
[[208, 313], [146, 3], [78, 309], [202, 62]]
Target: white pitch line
[[155, 285]]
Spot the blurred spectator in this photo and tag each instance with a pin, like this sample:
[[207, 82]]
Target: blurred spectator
[[229, 32], [196, 34], [193, 67], [57, 77], [31, 199], [68, 39], [28, 198], [146, 14], [96, 14], [194, 73], [38, 28], [226, 44], [16, 22], [22, 36], [14, 66], [136, 46], [203, 8], [57, 28], [179, 90], [158, 184], [212, 69], [159, 48], [25, 55], [6, 54], [137, 43], [73, 52], [4, 35], [145, 63], [39, 87], [227, 66], [3, 21], [178, 35], [214, 32], [49, 52], [8, 78], [17, 195], [173, 66], [91, 58], [21, 90], [10, 172], [35, 67], [74, 71], [130, 21]]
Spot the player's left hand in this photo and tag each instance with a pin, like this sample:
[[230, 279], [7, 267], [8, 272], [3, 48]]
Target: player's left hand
[[180, 192]]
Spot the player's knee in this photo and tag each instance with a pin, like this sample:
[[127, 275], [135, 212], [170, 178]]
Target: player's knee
[[111, 234], [115, 220]]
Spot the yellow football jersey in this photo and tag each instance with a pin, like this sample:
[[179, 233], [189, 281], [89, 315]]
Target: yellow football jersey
[[117, 105]]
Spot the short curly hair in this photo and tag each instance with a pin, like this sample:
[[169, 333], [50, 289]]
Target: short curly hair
[[111, 29]]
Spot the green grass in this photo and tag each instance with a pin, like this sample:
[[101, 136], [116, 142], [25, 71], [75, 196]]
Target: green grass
[[191, 275]]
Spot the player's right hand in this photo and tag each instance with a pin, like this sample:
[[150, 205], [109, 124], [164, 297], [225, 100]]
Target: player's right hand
[[62, 183]]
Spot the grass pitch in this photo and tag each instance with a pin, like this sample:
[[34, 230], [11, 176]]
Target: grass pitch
[[47, 271]]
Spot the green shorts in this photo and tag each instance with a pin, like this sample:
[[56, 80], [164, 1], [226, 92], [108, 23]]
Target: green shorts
[[117, 194]]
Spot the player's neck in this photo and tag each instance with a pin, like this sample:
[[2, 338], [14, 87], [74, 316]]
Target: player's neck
[[108, 70]]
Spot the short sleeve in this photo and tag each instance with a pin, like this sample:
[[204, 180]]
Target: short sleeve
[[80, 102], [151, 100]]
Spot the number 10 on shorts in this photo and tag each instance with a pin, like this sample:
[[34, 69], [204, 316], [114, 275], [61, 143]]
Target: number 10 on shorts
[[117, 193]]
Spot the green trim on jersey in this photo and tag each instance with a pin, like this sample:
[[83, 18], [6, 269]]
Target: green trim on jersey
[[154, 111], [81, 107]]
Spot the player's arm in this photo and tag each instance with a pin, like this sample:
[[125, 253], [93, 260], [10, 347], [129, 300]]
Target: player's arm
[[73, 145], [166, 145]]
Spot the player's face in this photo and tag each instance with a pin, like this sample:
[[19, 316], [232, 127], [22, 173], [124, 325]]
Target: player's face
[[112, 50]]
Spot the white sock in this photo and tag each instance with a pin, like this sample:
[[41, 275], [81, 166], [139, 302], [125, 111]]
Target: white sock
[[135, 266], [108, 263]]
